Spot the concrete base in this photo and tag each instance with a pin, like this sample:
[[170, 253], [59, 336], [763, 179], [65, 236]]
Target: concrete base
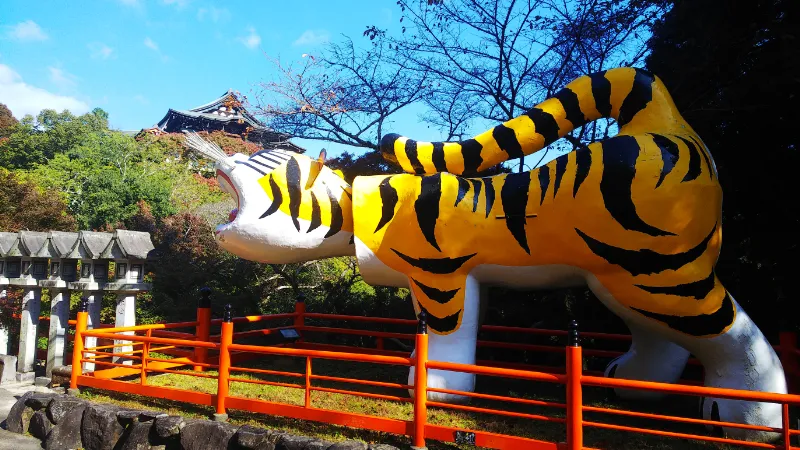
[[73, 392], [41, 381], [25, 377], [220, 418], [8, 369]]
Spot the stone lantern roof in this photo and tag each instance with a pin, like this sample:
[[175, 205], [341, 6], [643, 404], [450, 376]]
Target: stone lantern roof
[[129, 245]]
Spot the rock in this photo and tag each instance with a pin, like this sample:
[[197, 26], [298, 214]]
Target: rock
[[204, 434], [138, 437], [249, 437], [67, 432], [167, 426], [348, 445], [382, 447], [100, 429], [292, 442], [61, 405], [40, 425], [145, 416], [40, 400], [318, 444], [42, 381], [20, 415], [8, 369]]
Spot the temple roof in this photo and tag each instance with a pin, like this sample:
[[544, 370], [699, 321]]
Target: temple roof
[[226, 113]]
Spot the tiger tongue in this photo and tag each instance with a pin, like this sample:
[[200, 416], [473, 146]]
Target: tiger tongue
[[232, 215]]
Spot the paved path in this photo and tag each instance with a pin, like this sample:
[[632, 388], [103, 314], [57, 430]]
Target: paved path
[[8, 396]]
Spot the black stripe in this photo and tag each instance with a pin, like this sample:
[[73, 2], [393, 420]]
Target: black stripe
[[438, 157], [411, 154], [571, 104], [487, 181], [387, 146], [476, 186], [316, 215], [701, 325], [427, 207], [583, 162], [273, 159], [669, 155], [697, 289], [544, 181], [295, 193], [619, 169], [545, 124], [441, 325], [245, 163], [637, 99], [337, 218], [471, 151], [282, 156], [561, 167], [388, 201], [704, 152], [601, 91], [260, 152], [645, 261], [436, 295], [262, 164], [463, 188], [514, 196], [507, 140], [694, 160], [277, 198], [436, 265]]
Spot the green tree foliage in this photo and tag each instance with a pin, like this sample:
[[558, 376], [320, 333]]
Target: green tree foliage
[[34, 141], [24, 206], [732, 69]]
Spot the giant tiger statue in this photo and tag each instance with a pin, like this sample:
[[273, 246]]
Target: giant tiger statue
[[635, 217]]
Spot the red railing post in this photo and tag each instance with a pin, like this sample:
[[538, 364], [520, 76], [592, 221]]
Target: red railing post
[[308, 382], [787, 426], [223, 380], [420, 383], [300, 310], [77, 344], [574, 392], [145, 355], [203, 328], [788, 355]]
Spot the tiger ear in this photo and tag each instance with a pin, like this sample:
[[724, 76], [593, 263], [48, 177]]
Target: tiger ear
[[316, 168]]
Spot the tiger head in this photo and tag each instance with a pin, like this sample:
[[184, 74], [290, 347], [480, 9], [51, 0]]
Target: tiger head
[[290, 207]]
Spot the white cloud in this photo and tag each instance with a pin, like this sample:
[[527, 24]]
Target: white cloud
[[180, 4], [100, 51], [214, 14], [149, 43], [23, 98], [63, 80], [312, 37], [27, 31], [252, 40]]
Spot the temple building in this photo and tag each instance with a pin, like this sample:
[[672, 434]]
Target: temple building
[[228, 114]]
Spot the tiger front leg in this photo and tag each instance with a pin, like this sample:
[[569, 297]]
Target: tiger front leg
[[455, 347]]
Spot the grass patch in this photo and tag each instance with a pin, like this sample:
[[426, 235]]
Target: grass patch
[[553, 432]]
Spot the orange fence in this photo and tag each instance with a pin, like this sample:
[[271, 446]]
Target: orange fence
[[131, 355]]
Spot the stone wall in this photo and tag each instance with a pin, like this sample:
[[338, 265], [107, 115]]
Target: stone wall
[[65, 422]]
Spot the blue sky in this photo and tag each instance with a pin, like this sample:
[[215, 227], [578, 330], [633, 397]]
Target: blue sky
[[137, 58]]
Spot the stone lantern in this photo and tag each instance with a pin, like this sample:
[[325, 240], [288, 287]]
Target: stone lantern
[[9, 265], [62, 271], [129, 250], [92, 276], [33, 269]]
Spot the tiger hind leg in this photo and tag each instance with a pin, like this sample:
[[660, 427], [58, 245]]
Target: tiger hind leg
[[740, 358], [651, 357]]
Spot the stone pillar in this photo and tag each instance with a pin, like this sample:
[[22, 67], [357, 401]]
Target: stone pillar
[[3, 331], [95, 305], [31, 305], [59, 315], [126, 317]]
